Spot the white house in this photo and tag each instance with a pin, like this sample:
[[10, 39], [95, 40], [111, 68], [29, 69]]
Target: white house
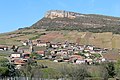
[[54, 45], [80, 61], [41, 44], [16, 55]]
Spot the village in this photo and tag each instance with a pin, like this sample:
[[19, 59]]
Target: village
[[72, 53]]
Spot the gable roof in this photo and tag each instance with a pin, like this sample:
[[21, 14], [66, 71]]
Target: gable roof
[[16, 53]]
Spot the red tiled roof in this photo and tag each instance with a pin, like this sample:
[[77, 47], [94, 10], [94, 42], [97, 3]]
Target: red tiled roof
[[76, 56], [27, 53], [3, 46], [19, 61], [40, 52]]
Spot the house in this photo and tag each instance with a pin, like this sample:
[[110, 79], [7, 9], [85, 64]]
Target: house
[[75, 48], [26, 55], [41, 43], [58, 60], [16, 55], [3, 47], [65, 58], [54, 51], [60, 52], [27, 42], [59, 45], [70, 51], [81, 47], [53, 56], [105, 50], [80, 61], [54, 46], [42, 53], [87, 54], [76, 52], [64, 52], [89, 48], [71, 44], [97, 50], [66, 44], [20, 61], [88, 61], [78, 58]]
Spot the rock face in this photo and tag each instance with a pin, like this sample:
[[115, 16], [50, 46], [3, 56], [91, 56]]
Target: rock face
[[65, 20], [61, 14]]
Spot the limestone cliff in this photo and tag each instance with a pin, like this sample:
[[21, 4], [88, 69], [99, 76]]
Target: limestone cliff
[[61, 14], [65, 20]]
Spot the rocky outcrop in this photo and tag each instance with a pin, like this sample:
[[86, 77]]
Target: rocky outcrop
[[61, 14], [65, 20]]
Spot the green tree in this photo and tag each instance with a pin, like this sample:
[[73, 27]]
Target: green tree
[[3, 67], [7, 69], [110, 69], [29, 71], [35, 56], [104, 73], [117, 69], [75, 72], [3, 72]]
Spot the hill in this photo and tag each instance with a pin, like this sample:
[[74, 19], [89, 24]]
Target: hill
[[65, 20], [60, 26], [103, 40]]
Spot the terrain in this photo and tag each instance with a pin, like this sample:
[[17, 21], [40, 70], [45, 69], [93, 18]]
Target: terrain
[[60, 26], [65, 20], [71, 27], [103, 40]]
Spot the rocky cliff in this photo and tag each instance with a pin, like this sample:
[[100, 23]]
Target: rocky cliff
[[65, 20], [61, 14]]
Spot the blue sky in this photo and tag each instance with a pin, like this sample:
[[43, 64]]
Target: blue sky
[[16, 14]]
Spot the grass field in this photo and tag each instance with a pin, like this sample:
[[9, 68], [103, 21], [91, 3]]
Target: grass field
[[52, 64], [5, 53], [54, 69]]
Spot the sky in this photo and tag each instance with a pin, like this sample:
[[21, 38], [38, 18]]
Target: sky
[[16, 14]]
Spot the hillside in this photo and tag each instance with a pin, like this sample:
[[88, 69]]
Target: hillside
[[61, 26], [64, 20], [103, 40]]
